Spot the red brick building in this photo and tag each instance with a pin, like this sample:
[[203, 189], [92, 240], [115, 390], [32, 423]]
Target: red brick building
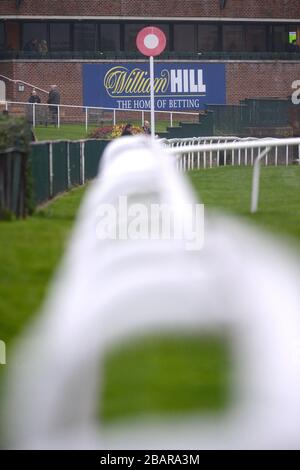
[[46, 42]]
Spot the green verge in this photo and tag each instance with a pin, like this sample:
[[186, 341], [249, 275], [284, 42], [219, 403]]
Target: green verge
[[229, 189]]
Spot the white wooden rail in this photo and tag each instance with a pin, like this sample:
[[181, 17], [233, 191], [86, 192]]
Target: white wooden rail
[[33, 107], [190, 151]]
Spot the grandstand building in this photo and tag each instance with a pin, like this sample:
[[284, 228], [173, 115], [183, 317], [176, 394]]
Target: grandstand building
[[257, 42]]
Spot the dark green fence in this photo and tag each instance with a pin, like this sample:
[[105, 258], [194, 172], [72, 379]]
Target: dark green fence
[[57, 166], [266, 112], [261, 117], [40, 170], [74, 150], [12, 183]]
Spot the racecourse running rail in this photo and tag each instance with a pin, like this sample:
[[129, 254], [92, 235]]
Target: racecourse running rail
[[201, 152]]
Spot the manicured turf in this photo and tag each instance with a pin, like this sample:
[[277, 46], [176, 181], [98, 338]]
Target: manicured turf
[[30, 250], [157, 374], [229, 188], [64, 132]]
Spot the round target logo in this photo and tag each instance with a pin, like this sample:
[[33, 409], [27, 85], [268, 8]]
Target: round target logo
[[151, 41]]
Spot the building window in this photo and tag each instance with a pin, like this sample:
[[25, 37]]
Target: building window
[[34, 35], [130, 33], [60, 37], [166, 29], [85, 37], [184, 38], [110, 37], [279, 38], [256, 38], [208, 38], [233, 38], [2, 36], [293, 38]]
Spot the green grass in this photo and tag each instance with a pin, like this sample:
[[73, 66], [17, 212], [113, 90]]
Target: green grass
[[166, 374], [156, 374], [30, 251], [64, 132], [77, 131], [229, 188]]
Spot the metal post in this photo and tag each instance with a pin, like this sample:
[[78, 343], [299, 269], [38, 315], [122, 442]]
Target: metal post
[[82, 162], [114, 118], [33, 115], [143, 117], [58, 116], [68, 166], [51, 175], [86, 120], [171, 119], [255, 180], [152, 97]]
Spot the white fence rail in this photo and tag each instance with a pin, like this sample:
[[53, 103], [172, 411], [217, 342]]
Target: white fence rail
[[206, 152], [42, 114], [199, 153]]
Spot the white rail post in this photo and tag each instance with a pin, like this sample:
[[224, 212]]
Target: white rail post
[[171, 119], [114, 118], [255, 180], [198, 158], [86, 120], [58, 116], [143, 117]]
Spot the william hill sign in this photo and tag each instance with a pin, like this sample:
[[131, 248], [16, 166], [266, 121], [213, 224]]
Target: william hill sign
[[178, 86]]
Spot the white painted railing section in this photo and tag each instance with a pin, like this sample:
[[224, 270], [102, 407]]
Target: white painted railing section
[[192, 154], [108, 291]]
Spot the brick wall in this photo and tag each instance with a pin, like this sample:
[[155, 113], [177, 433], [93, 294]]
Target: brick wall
[[66, 75], [6, 69], [244, 79], [180, 8], [258, 79]]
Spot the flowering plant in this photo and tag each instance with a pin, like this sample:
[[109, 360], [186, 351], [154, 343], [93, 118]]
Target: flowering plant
[[112, 132]]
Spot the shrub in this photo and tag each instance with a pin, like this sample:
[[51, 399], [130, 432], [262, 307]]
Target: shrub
[[16, 190], [112, 132]]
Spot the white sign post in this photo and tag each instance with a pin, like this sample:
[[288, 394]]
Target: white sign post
[[152, 101], [151, 42]]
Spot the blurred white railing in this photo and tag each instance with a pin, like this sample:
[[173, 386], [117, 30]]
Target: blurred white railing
[[206, 152], [201, 152], [40, 114]]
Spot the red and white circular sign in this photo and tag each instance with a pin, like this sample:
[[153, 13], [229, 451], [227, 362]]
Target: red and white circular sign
[[151, 41]]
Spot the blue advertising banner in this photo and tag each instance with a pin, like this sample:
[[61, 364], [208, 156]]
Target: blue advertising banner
[[179, 86]]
